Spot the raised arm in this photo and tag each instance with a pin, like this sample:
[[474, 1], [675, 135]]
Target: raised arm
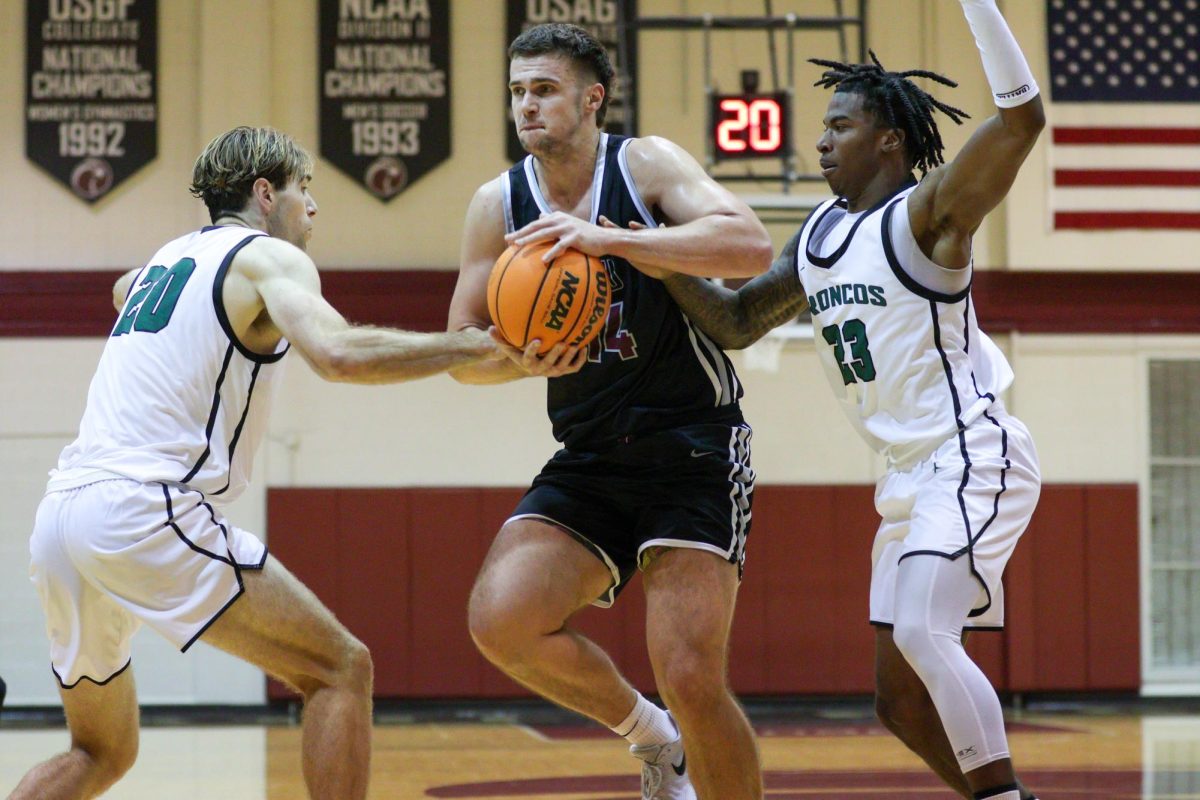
[[738, 318], [483, 242], [709, 231], [284, 281], [951, 202]]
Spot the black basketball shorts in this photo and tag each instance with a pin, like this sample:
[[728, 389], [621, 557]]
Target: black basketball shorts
[[688, 487]]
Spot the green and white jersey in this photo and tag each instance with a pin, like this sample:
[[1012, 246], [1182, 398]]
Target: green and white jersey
[[176, 397], [896, 333]]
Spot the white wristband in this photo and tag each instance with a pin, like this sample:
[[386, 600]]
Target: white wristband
[[1005, 65]]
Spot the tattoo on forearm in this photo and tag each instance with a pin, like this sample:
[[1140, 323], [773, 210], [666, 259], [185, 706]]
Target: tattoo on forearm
[[775, 303], [737, 319], [713, 308]]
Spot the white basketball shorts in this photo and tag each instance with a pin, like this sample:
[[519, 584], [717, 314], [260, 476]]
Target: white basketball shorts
[[110, 555], [972, 498]]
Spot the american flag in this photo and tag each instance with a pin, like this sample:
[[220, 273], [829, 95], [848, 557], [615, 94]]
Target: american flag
[[1125, 113]]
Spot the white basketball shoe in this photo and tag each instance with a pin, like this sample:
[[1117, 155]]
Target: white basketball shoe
[[664, 771]]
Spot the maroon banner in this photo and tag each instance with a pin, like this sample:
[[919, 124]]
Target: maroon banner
[[91, 92]]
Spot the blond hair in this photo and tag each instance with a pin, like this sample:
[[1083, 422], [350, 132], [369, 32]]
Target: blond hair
[[226, 170]]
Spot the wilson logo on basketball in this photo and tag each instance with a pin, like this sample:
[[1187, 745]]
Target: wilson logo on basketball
[[598, 313]]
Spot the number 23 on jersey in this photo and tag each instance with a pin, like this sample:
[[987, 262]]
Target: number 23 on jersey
[[852, 333]]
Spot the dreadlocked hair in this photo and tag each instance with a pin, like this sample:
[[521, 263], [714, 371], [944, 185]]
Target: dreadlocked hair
[[896, 102]]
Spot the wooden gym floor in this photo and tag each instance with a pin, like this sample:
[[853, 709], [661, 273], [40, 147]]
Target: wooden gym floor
[[1100, 750]]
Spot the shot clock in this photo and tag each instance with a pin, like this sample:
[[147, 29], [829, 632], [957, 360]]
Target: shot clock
[[749, 125]]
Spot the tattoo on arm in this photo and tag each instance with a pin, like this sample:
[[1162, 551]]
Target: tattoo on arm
[[737, 319]]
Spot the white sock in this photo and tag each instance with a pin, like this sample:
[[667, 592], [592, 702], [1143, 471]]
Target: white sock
[[646, 725]]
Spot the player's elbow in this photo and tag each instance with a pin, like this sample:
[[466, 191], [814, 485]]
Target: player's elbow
[[1026, 120], [1034, 122], [737, 341], [742, 335], [761, 256], [334, 363], [753, 256], [1037, 114], [734, 330], [463, 375]]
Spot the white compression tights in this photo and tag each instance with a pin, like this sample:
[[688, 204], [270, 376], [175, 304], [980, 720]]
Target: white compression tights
[[933, 598]]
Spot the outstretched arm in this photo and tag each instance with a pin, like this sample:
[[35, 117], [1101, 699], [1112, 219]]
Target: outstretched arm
[[949, 205], [738, 318], [285, 280], [710, 231]]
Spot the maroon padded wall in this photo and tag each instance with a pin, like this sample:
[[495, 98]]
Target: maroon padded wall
[[78, 302], [396, 566]]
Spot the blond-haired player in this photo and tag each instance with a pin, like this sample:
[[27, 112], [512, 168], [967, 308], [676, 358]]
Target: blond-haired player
[[130, 530]]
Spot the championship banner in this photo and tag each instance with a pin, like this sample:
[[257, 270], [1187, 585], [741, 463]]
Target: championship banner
[[385, 89], [599, 18], [91, 93]]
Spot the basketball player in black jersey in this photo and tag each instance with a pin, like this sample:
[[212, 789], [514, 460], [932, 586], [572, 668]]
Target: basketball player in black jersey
[[655, 470]]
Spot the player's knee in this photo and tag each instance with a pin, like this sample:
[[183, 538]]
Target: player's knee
[[502, 631], [915, 642], [497, 635], [691, 682], [110, 760], [349, 667], [356, 669]]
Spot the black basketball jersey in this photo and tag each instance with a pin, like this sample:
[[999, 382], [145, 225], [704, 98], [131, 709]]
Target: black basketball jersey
[[650, 368]]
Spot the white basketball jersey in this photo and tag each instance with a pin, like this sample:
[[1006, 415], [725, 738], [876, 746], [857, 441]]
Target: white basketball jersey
[[896, 333], [176, 397]]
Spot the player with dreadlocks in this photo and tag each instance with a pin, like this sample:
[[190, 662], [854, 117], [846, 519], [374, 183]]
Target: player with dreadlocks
[[894, 101], [885, 269]]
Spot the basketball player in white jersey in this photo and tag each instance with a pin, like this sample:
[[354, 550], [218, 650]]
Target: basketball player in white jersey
[[130, 531], [885, 269]]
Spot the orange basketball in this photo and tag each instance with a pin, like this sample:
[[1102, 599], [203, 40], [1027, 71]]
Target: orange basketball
[[565, 300]]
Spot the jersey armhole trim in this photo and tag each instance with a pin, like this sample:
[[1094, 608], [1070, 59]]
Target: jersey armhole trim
[[535, 191], [598, 178], [638, 202], [907, 280], [805, 233], [506, 199], [223, 318]]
